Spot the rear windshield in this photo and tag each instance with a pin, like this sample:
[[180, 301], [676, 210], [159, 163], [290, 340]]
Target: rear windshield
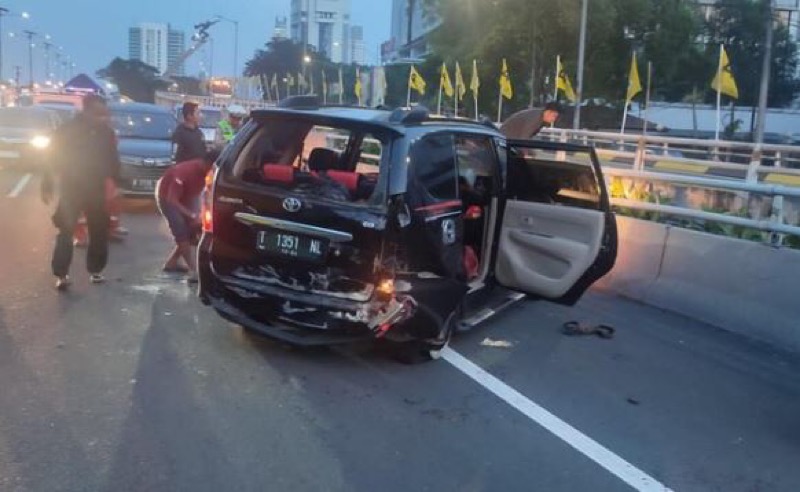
[[144, 125], [334, 162]]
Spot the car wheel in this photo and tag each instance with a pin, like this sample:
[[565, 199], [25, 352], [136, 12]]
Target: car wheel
[[420, 351]]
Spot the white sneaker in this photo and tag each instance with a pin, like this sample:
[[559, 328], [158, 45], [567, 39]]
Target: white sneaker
[[96, 278], [62, 283]]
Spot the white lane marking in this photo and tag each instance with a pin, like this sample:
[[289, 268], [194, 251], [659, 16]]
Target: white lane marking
[[590, 448], [21, 184]]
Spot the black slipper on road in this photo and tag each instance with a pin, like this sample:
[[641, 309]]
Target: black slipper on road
[[175, 269], [575, 328]]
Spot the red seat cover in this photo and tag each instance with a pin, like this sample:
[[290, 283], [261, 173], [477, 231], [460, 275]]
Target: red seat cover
[[278, 173], [347, 179]]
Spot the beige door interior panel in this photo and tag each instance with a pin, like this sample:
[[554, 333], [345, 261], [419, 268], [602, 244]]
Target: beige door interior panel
[[544, 249]]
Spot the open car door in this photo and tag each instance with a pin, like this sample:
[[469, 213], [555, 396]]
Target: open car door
[[558, 234]]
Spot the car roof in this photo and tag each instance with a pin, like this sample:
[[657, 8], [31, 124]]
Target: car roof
[[139, 108], [398, 120]]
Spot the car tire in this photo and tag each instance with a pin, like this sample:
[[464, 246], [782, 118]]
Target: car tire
[[421, 351]]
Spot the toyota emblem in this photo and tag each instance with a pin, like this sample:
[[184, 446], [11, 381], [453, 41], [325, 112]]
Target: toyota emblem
[[292, 204]]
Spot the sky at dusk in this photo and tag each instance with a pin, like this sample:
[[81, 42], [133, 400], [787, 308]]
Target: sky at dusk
[[93, 32]]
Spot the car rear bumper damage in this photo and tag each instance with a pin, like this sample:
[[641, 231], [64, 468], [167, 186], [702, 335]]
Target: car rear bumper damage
[[305, 319]]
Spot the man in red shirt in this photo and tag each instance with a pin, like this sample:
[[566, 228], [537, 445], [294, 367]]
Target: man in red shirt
[[177, 195]]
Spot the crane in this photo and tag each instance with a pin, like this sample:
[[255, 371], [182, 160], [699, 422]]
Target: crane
[[199, 38]]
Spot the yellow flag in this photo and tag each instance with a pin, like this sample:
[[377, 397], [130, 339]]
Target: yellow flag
[[357, 89], [415, 81], [445, 83], [475, 83], [301, 80], [461, 87], [289, 80], [505, 82], [634, 84], [274, 83], [324, 85], [562, 81], [724, 81]]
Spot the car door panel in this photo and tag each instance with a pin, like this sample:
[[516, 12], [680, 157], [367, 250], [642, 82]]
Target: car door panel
[[546, 249], [558, 234]]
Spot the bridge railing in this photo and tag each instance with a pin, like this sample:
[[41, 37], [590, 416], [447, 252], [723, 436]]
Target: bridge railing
[[172, 99], [768, 163]]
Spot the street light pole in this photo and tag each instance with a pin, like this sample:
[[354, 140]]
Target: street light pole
[[576, 121], [3, 11], [765, 76], [47, 46], [30, 35], [235, 43]]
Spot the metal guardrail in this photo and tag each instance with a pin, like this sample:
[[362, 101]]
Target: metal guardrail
[[173, 98], [736, 160]]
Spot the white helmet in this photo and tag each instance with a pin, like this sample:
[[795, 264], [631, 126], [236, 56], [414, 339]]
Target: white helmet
[[237, 110]]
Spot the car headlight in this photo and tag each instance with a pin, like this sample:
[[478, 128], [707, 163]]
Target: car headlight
[[40, 142]]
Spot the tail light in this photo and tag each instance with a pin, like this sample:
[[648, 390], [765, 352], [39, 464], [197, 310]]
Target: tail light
[[207, 206]]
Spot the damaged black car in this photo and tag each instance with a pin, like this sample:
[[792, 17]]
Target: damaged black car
[[327, 225]]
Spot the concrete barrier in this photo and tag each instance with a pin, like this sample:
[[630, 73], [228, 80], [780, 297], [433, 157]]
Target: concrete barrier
[[740, 286]]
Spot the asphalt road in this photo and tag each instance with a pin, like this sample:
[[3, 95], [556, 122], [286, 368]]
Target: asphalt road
[[134, 386]]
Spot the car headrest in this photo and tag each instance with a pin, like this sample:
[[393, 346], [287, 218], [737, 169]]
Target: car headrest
[[278, 173], [322, 159], [347, 179]]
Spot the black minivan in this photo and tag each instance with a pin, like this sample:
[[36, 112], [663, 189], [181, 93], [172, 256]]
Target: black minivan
[[325, 225]]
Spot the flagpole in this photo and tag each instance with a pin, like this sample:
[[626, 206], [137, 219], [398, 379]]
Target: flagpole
[[477, 86], [555, 84], [499, 107], [627, 95], [341, 87], [719, 92], [624, 118], [458, 87], [439, 106], [647, 94], [555, 80], [408, 99]]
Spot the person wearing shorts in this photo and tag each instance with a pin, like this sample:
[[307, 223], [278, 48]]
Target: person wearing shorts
[[177, 196]]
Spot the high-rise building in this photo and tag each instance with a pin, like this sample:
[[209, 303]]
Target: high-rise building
[[281, 30], [323, 24], [358, 52], [157, 45], [176, 45], [410, 27]]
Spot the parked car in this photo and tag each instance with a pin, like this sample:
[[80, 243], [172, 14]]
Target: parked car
[[64, 111], [25, 135], [328, 225], [145, 145]]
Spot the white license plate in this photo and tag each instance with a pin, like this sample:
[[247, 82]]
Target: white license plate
[[9, 154], [144, 184]]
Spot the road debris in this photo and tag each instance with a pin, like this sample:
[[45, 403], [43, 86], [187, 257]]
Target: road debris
[[488, 342]]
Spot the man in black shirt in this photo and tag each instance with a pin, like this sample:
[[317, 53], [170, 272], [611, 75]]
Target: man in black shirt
[[528, 123], [187, 139], [84, 157]]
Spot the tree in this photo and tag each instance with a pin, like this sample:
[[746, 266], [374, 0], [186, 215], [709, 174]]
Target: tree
[[531, 33], [741, 26], [134, 78]]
